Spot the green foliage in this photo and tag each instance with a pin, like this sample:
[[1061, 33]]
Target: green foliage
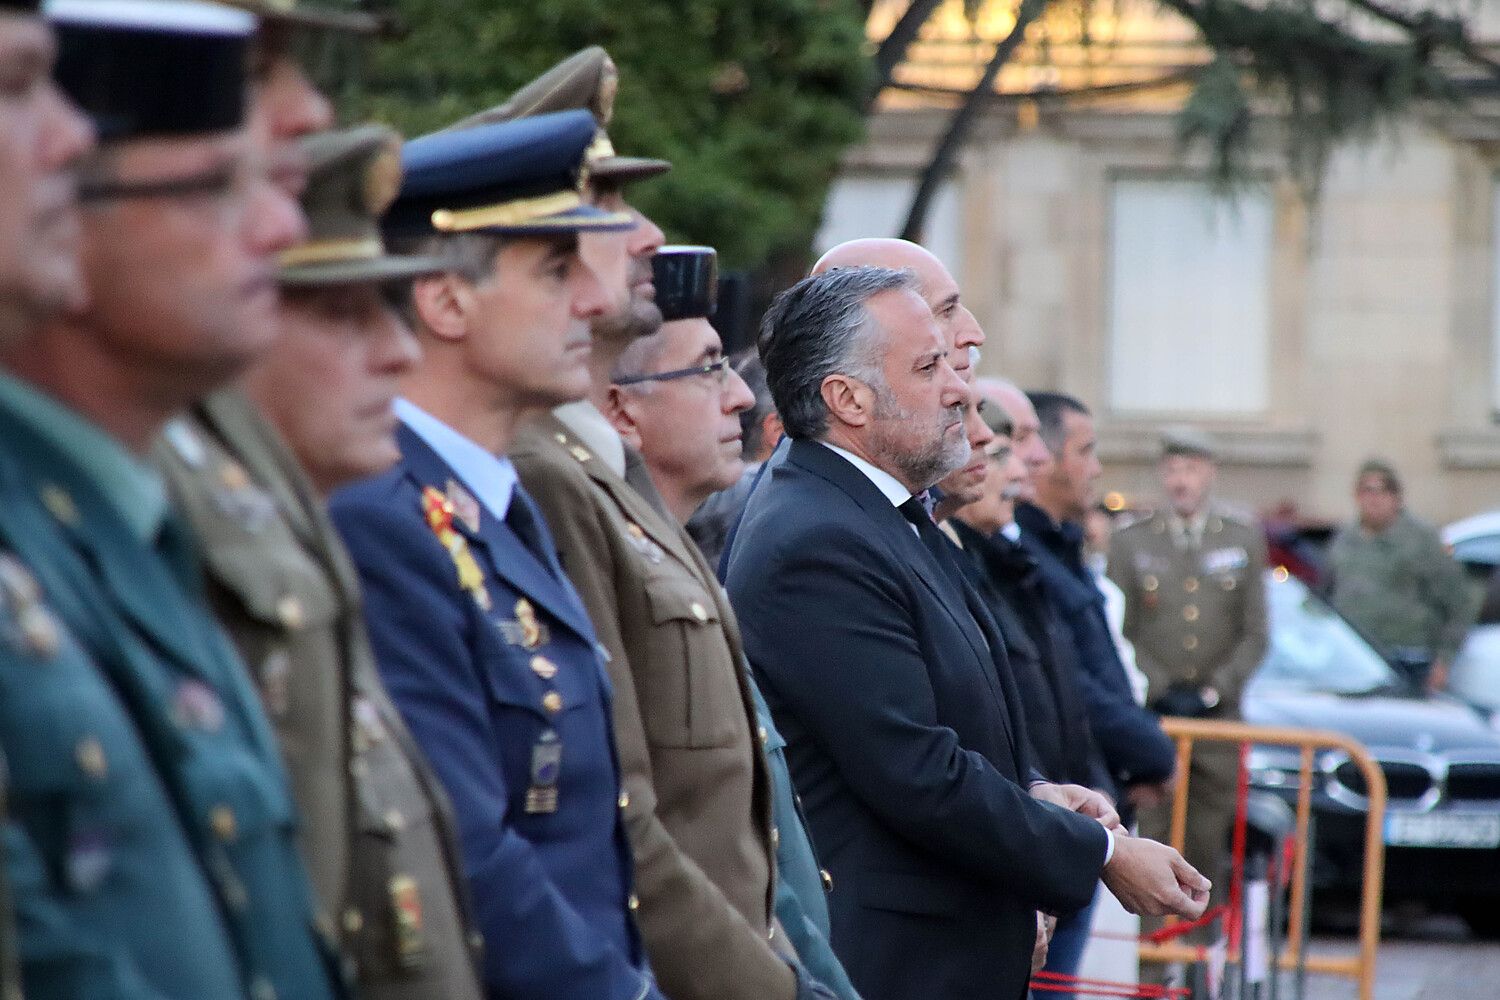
[[1330, 83], [752, 100]]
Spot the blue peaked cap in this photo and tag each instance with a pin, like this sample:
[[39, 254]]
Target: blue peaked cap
[[509, 178]]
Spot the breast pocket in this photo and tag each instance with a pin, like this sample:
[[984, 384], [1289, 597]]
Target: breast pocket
[[690, 694], [81, 782], [274, 599]]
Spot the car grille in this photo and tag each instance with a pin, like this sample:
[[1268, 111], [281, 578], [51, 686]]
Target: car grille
[[1402, 780], [1476, 781]]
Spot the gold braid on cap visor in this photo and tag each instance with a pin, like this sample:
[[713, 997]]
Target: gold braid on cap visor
[[332, 251], [511, 213]]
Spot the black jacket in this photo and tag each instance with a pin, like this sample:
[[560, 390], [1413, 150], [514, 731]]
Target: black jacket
[[905, 739], [1041, 657], [1130, 737]]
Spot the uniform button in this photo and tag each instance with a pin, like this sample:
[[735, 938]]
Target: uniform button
[[775, 838], [633, 903], [261, 989], [624, 800], [394, 821], [59, 503], [1190, 585], [1190, 613], [552, 702], [827, 879], [765, 737], [223, 822], [476, 941], [543, 667], [699, 611], [90, 756], [771, 934], [289, 611], [561, 438], [1149, 583], [1190, 642], [354, 921], [1228, 583]]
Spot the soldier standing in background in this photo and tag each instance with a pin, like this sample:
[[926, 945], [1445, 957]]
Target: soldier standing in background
[[1195, 608], [1396, 583]]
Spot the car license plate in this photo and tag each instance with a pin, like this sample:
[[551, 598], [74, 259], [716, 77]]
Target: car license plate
[[1461, 830]]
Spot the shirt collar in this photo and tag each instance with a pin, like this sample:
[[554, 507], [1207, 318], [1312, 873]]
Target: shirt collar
[[887, 484], [491, 478], [594, 429], [129, 484]]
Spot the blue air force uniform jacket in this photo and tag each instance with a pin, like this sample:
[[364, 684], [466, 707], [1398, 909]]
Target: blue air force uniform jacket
[[492, 661]]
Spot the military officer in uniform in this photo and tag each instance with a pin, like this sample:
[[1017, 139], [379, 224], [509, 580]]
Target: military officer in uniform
[[178, 245], [1195, 608], [699, 810], [481, 640], [378, 831]]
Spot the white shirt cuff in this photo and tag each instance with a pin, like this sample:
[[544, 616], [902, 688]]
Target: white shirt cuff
[[1109, 851]]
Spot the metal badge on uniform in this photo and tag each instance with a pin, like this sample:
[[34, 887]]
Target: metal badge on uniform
[[30, 626], [195, 705], [239, 499], [465, 507], [525, 630], [1225, 560], [546, 768], [642, 544], [409, 936], [369, 727]]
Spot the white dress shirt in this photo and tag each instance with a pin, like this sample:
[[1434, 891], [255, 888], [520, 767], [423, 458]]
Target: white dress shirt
[[889, 486]]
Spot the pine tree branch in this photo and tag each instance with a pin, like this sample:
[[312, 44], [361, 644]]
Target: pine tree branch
[[1429, 28], [893, 48]]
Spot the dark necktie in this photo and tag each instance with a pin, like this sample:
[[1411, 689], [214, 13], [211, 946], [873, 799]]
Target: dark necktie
[[915, 511], [527, 526]]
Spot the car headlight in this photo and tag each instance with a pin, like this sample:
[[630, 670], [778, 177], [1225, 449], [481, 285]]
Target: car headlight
[[1274, 767]]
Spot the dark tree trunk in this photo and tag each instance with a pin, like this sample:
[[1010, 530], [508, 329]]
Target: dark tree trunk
[[963, 119]]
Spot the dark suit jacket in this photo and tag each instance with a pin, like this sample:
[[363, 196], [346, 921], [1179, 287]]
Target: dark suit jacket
[[1131, 739], [1036, 641], [481, 693], [904, 738]]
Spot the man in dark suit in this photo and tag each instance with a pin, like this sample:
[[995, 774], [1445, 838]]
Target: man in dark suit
[[888, 678], [1059, 452], [482, 641]]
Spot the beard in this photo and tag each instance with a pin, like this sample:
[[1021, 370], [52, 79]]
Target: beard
[[935, 455]]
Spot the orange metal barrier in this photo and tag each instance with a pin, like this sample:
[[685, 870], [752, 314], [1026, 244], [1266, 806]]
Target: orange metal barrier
[[1361, 966]]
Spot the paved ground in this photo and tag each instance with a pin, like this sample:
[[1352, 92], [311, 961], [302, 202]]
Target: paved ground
[[1422, 957]]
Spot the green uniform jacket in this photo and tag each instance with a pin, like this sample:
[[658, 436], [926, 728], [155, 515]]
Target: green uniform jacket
[[1196, 614], [1402, 589], [699, 798], [377, 831], [111, 900], [139, 610]]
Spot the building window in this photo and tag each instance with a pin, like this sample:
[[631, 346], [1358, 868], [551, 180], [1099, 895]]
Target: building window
[[876, 206], [1189, 306]]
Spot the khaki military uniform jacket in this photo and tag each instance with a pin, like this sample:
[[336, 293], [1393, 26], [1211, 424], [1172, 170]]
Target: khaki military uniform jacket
[[698, 810], [1195, 612], [377, 832]]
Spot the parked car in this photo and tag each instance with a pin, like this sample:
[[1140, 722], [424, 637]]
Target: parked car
[[1440, 757]]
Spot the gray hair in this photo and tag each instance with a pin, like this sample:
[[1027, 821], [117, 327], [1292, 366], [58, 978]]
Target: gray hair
[[470, 255], [821, 327]]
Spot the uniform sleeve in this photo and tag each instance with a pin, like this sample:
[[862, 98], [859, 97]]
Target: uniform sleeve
[[421, 627], [823, 611], [701, 947], [1255, 636], [1448, 590], [58, 957]]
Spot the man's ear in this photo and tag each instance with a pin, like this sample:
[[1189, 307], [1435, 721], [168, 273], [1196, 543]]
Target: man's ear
[[849, 401], [444, 303], [771, 430], [620, 410]]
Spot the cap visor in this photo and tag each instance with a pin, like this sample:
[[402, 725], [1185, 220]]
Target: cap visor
[[628, 168], [580, 219], [380, 271], [330, 20]]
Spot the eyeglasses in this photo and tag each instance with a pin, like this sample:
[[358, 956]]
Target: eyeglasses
[[719, 368]]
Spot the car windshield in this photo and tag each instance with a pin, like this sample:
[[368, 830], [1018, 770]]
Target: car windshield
[[1312, 648]]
